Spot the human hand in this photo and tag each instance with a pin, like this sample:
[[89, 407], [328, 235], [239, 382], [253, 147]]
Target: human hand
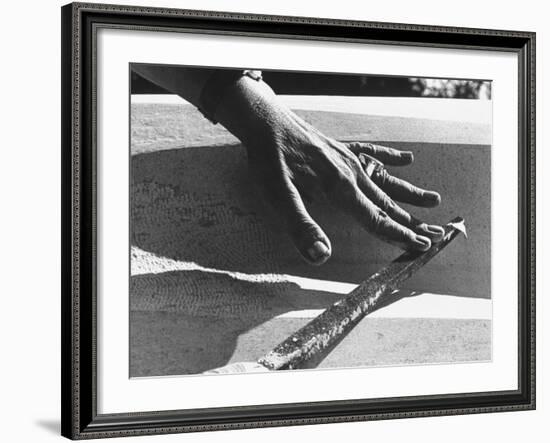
[[292, 161]]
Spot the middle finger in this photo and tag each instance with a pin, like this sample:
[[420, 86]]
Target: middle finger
[[397, 213]]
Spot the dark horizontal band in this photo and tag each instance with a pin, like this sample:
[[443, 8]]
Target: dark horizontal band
[[215, 87]]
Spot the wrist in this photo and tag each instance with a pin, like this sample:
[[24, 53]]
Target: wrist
[[246, 109]]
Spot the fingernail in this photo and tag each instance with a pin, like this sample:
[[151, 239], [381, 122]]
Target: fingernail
[[433, 232], [433, 197], [318, 251], [437, 231], [422, 242], [407, 155]]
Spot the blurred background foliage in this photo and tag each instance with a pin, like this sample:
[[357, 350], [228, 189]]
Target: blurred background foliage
[[445, 88]]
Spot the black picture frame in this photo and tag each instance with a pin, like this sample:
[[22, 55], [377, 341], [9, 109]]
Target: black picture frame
[[79, 171]]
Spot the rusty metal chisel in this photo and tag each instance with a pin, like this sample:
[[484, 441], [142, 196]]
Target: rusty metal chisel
[[308, 346]]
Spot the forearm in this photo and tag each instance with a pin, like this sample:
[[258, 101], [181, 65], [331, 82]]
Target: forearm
[[246, 107], [250, 110]]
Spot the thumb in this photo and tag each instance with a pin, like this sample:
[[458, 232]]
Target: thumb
[[306, 234]]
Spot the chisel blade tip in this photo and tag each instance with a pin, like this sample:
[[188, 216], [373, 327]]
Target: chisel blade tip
[[458, 224]]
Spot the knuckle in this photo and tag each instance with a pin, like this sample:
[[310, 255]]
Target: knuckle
[[387, 204], [354, 146], [360, 147], [378, 220], [411, 190], [381, 177], [367, 148], [307, 228]]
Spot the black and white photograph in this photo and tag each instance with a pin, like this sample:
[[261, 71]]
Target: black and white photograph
[[292, 220]]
